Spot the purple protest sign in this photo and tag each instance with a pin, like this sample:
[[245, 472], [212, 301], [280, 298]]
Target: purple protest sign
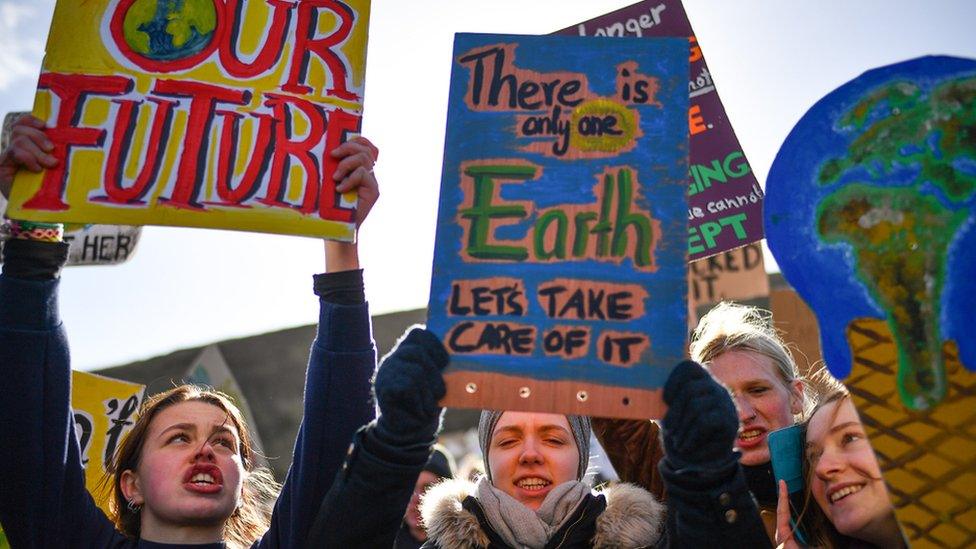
[[724, 198]]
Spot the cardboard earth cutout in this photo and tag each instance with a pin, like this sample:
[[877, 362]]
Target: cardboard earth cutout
[[871, 215]]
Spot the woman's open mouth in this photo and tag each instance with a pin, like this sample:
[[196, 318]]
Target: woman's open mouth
[[204, 479], [532, 484], [752, 437]]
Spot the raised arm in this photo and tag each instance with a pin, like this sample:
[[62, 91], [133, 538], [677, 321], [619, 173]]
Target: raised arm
[[709, 503], [366, 504], [43, 500], [337, 400]]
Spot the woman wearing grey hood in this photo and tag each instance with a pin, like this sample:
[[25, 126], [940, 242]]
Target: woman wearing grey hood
[[533, 494]]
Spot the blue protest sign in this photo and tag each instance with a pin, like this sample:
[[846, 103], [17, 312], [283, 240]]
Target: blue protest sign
[[559, 278]]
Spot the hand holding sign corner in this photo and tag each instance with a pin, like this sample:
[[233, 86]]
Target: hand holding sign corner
[[28, 148]]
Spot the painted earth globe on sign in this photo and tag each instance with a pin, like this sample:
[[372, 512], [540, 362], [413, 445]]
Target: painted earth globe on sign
[[871, 212], [165, 30]]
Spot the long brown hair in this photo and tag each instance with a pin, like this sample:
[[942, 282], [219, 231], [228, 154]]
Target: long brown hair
[[813, 520], [253, 514]]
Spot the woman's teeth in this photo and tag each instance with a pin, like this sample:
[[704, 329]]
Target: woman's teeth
[[202, 478], [751, 434], [844, 492], [532, 483]]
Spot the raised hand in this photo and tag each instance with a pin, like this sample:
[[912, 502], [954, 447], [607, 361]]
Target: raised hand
[[701, 424], [408, 387], [355, 172], [784, 532], [28, 148]]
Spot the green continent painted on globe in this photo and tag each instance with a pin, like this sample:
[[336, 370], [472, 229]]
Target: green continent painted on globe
[[900, 233], [900, 240], [164, 30]]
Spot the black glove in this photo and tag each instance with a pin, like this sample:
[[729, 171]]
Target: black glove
[[408, 386], [701, 423]]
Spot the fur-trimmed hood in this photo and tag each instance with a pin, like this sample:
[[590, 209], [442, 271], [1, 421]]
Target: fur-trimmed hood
[[632, 518]]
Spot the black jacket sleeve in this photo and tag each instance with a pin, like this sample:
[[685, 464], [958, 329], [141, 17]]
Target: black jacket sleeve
[[711, 509]]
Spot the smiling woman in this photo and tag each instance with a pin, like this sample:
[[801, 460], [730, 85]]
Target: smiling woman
[[533, 494], [853, 506], [558, 445]]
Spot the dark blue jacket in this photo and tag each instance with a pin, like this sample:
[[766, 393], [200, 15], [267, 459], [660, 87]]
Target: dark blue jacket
[[43, 500]]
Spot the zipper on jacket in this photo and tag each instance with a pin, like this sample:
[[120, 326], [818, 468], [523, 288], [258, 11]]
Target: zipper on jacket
[[570, 529]]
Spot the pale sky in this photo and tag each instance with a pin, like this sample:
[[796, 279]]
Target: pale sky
[[771, 60]]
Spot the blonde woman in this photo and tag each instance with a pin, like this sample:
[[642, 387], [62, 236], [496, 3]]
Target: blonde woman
[[741, 349]]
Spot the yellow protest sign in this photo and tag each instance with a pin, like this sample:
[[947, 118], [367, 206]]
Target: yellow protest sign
[[105, 410], [201, 113]]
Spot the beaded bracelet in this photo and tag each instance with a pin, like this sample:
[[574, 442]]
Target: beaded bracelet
[[32, 230]]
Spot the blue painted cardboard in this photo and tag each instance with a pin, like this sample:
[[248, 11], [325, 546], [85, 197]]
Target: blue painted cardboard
[[583, 138]]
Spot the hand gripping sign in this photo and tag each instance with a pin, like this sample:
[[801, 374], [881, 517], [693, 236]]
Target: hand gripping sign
[[88, 244]]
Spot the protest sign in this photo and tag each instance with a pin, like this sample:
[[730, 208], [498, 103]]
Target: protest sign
[[559, 277], [88, 244], [210, 369], [105, 410], [199, 113], [870, 212], [724, 198], [799, 329], [735, 275]]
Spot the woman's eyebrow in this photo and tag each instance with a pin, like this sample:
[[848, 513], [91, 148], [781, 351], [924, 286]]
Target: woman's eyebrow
[[223, 428], [834, 429], [510, 429], [180, 426], [842, 426], [546, 428], [755, 381]]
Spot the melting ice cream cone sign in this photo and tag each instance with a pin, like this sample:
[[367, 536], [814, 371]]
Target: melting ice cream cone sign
[[871, 214], [560, 262], [205, 113]]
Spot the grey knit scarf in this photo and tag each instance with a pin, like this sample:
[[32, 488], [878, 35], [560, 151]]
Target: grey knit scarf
[[522, 527]]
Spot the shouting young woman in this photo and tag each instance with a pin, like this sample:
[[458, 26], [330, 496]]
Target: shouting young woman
[[740, 348], [186, 473]]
